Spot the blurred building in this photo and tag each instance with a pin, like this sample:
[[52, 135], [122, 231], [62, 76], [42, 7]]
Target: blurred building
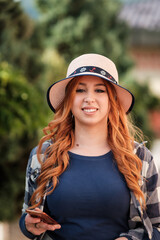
[[143, 18]]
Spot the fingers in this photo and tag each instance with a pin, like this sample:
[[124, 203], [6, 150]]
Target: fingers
[[30, 219], [31, 225], [37, 227], [46, 226], [38, 209]]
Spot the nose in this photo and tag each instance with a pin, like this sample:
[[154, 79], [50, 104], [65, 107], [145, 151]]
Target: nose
[[89, 100]]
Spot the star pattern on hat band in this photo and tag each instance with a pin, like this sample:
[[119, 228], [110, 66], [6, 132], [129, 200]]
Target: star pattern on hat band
[[94, 69]]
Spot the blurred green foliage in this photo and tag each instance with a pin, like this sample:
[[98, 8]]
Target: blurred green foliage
[[22, 109], [21, 116], [21, 40], [145, 101], [76, 27]]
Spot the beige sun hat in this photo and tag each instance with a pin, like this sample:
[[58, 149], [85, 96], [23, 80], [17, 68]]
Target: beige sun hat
[[94, 65]]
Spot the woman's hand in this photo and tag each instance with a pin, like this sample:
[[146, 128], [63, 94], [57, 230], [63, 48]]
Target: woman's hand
[[36, 226]]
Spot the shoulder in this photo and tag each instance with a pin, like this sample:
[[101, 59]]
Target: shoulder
[[149, 168], [143, 152]]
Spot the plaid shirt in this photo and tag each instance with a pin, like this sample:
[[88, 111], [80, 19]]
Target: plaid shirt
[[139, 221]]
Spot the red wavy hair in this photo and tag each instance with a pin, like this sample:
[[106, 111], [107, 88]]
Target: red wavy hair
[[61, 132]]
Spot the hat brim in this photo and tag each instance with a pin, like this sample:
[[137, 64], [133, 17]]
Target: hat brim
[[56, 92]]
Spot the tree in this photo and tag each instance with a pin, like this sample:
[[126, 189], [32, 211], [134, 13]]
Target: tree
[[22, 109], [75, 27], [21, 40], [21, 115]]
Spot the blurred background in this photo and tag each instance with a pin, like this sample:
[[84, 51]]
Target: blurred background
[[38, 39]]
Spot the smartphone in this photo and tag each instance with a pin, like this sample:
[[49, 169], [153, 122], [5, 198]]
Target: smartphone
[[42, 215]]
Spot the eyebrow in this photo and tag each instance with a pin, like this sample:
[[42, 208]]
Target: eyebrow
[[98, 84]]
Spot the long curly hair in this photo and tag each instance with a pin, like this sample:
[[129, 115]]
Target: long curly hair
[[61, 132]]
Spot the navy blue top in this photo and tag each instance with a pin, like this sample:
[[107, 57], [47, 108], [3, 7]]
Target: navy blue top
[[91, 200]]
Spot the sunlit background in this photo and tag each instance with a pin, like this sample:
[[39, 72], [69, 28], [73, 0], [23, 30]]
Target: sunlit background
[[37, 41]]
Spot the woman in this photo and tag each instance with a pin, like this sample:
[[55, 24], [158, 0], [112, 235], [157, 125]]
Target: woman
[[88, 173]]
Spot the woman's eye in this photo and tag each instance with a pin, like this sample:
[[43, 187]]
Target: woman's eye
[[80, 90], [100, 90]]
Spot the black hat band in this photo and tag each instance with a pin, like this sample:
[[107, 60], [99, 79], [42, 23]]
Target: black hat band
[[93, 69]]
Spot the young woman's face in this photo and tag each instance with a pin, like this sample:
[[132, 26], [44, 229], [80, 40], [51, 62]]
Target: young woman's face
[[90, 105]]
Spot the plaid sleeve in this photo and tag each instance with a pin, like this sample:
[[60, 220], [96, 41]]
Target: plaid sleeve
[[153, 194], [32, 172], [151, 189], [150, 221]]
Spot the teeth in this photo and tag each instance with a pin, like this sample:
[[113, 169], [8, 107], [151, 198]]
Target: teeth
[[89, 110]]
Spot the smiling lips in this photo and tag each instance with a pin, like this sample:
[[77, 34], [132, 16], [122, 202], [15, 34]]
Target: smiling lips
[[89, 110]]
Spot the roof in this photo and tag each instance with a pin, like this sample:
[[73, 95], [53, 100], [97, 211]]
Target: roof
[[144, 14]]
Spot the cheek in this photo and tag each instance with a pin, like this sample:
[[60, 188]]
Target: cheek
[[106, 104], [76, 103]]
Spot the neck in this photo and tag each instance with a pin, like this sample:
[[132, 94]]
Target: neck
[[90, 140]]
